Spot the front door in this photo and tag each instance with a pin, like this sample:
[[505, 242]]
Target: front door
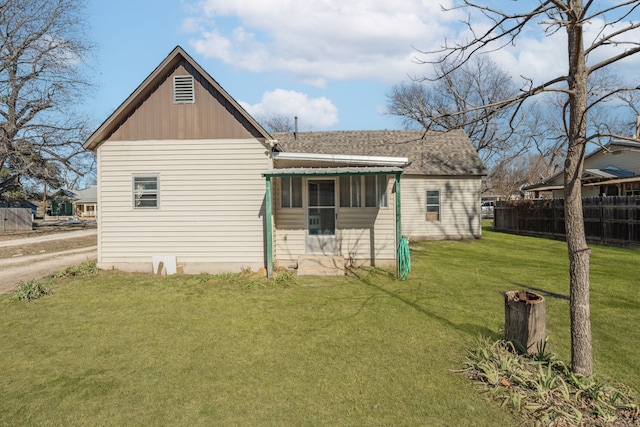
[[321, 217]]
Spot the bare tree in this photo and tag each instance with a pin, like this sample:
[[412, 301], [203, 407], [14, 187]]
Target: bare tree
[[453, 101], [277, 123], [42, 53], [614, 42], [508, 177]]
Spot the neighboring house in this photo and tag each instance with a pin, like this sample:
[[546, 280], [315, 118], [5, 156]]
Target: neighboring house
[[86, 202], [61, 203], [185, 173], [82, 203], [611, 170]]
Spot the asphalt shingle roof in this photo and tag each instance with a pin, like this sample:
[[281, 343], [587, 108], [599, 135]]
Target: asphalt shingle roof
[[430, 153]]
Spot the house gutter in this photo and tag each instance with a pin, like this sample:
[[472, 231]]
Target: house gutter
[[612, 181], [342, 158]]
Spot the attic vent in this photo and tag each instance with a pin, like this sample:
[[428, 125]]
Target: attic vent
[[183, 91]]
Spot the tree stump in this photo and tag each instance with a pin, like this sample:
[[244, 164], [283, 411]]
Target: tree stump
[[525, 320]]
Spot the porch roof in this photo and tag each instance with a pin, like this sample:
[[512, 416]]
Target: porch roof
[[431, 153], [339, 171]]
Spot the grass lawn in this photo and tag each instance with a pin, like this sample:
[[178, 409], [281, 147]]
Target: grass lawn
[[124, 349]]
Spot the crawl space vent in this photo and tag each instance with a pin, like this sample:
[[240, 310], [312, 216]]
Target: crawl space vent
[[183, 90]]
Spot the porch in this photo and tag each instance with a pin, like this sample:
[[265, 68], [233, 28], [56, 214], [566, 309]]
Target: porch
[[346, 213]]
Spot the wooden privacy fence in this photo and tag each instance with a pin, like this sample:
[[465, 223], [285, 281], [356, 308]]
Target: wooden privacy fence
[[15, 219], [613, 220]]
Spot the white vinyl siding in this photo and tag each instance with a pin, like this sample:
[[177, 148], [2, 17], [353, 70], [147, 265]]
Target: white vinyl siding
[[356, 229], [211, 209], [459, 207], [289, 231], [625, 159], [619, 157]]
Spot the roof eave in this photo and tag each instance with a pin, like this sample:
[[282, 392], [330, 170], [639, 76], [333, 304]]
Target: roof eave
[[334, 171], [342, 158]]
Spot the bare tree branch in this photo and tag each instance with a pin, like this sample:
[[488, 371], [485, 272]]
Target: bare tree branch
[[42, 47], [502, 29]]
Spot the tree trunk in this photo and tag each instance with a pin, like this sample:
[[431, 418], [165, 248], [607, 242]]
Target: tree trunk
[[581, 357], [525, 321]]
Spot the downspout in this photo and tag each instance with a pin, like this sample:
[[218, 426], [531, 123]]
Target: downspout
[[398, 222], [268, 226]]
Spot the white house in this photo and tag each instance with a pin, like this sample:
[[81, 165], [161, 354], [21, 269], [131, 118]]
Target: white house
[[186, 174], [611, 170]]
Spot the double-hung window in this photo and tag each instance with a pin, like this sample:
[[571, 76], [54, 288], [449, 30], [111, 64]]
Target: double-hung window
[[433, 205], [291, 192], [146, 191]]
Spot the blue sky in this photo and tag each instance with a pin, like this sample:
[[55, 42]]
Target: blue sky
[[330, 62]]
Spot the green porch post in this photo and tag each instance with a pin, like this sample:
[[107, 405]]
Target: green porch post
[[398, 223], [268, 213]]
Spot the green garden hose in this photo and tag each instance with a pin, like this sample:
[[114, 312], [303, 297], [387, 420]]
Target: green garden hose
[[404, 259]]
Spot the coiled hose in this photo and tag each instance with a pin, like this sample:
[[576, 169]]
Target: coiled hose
[[404, 259]]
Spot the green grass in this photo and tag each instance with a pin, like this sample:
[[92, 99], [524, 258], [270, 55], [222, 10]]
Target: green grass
[[125, 349]]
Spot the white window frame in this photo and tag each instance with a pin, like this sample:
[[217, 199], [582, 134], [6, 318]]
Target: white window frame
[[380, 191], [358, 192], [137, 194], [288, 181], [430, 205]]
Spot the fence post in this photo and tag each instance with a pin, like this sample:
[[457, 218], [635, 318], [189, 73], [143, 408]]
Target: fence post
[[601, 212]]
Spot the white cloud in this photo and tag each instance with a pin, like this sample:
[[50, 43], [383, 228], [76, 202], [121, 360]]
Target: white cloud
[[320, 40], [312, 113], [535, 59], [542, 57]]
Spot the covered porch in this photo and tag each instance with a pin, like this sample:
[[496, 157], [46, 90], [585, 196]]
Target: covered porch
[[340, 215]]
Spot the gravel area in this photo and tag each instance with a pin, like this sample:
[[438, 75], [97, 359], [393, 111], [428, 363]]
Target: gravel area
[[25, 258], [20, 240]]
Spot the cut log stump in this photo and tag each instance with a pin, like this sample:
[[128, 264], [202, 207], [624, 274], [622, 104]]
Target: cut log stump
[[525, 320]]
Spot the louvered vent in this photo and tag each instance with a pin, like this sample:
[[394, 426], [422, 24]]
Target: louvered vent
[[183, 90]]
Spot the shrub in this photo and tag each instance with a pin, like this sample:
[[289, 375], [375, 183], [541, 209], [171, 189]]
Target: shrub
[[85, 269], [545, 390], [28, 291]]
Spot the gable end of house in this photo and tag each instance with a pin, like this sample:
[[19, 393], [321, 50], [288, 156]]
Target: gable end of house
[[178, 100]]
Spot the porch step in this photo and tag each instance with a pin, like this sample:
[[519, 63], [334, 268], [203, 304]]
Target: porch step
[[320, 265]]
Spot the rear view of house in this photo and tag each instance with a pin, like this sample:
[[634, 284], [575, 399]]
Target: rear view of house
[[179, 175], [186, 174]]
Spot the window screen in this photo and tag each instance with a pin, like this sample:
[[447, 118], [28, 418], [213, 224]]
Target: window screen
[[291, 192], [433, 205], [145, 191]]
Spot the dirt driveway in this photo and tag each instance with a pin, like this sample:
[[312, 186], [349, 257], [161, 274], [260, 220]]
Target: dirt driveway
[[26, 258]]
